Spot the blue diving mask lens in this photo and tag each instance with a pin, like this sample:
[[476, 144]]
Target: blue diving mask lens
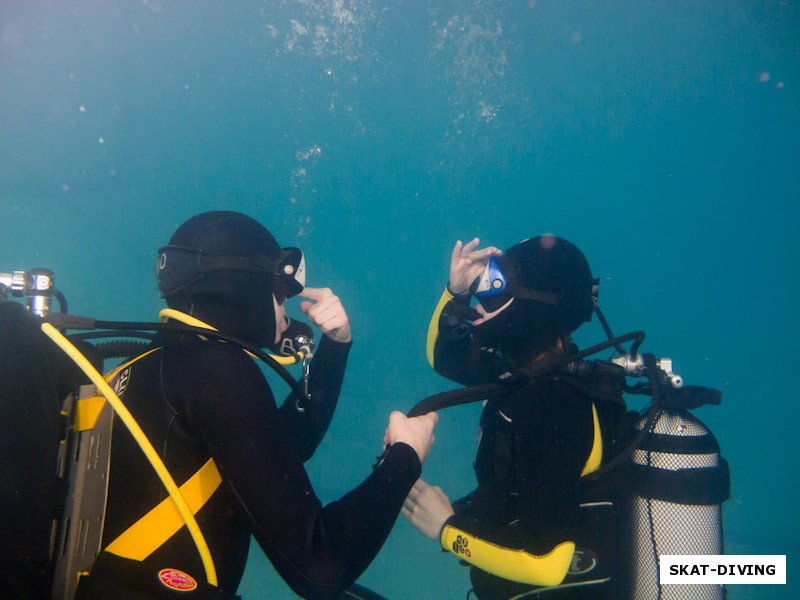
[[492, 282]]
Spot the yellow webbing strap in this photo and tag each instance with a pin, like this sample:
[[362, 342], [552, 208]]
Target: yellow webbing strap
[[153, 530], [86, 412], [433, 327], [136, 431], [596, 455], [514, 565]]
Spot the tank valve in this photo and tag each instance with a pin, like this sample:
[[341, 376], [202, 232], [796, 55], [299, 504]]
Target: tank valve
[[37, 285], [634, 367]]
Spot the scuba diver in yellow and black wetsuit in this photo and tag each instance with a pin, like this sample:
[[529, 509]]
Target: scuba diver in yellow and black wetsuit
[[208, 411], [534, 527]]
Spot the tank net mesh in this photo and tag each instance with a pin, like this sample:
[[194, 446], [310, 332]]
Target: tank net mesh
[[659, 527]]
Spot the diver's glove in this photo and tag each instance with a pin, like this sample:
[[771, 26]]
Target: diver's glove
[[455, 320]]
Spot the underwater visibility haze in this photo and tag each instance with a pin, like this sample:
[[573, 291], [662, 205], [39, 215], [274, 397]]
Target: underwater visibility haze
[[663, 138]]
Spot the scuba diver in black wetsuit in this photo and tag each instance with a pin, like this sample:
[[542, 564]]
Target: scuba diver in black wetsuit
[[207, 409], [535, 526]]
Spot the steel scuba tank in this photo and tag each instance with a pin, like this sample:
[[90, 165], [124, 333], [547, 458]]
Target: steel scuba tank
[[29, 453], [679, 482]]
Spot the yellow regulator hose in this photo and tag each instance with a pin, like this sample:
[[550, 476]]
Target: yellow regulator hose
[[140, 437], [170, 313]]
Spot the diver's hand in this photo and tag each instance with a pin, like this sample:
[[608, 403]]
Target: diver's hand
[[325, 310], [427, 508], [466, 263], [417, 432]]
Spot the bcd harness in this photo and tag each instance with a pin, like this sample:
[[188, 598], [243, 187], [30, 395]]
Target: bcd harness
[[153, 530], [89, 445]]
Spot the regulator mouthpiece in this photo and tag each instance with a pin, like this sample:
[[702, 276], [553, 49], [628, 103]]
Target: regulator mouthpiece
[[297, 339]]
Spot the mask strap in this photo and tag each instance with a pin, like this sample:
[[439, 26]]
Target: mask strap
[[259, 262], [524, 293]]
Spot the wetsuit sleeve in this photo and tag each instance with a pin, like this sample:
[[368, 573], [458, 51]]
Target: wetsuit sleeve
[[433, 326], [450, 349], [317, 550], [509, 563], [307, 423], [534, 540]]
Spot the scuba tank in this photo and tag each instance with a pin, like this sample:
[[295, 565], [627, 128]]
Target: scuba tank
[[29, 453], [675, 506], [678, 484], [38, 393]]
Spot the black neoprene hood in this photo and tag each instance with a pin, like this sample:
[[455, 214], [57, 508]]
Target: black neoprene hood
[[235, 294], [210, 235], [552, 264]]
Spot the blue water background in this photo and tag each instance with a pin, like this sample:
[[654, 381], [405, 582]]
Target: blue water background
[[660, 137]]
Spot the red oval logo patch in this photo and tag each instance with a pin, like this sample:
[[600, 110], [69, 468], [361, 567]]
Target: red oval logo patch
[[177, 580]]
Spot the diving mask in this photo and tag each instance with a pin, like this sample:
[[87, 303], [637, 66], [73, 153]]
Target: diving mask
[[498, 283], [291, 273], [180, 266], [492, 282]]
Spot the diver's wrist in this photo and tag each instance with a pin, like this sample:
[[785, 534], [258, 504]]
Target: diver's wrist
[[460, 296]]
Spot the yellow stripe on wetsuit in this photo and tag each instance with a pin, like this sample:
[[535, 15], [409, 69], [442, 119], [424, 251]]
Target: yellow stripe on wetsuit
[[154, 529], [433, 327], [514, 565], [596, 455]]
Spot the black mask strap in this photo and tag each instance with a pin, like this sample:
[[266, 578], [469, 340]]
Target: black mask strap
[[180, 266], [524, 293]]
